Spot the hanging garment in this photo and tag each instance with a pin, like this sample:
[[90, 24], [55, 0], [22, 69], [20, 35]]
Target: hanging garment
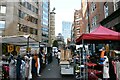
[[26, 66], [118, 70], [38, 68], [12, 69], [106, 68], [23, 70], [30, 68]]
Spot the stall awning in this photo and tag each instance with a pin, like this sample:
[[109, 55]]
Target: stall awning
[[100, 34]]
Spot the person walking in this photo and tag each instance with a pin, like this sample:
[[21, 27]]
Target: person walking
[[34, 66], [59, 55], [18, 67]]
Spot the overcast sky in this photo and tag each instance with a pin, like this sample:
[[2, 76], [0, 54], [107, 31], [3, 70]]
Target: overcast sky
[[64, 11]]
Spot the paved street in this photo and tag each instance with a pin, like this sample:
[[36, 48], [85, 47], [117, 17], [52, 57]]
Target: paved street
[[52, 71]]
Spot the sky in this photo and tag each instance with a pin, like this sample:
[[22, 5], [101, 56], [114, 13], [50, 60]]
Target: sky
[[64, 10]]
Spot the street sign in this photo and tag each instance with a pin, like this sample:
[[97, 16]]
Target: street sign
[[10, 48]]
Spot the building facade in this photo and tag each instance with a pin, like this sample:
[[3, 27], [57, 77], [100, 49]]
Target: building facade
[[78, 24], [101, 13], [60, 40], [66, 29], [24, 17], [94, 12], [52, 27], [44, 18]]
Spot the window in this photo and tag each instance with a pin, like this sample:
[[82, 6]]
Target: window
[[25, 29], [93, 6], [94, 20], [2, 24], [21, 14], [106, 9], [29, 6], [3, 9], [31, 30]]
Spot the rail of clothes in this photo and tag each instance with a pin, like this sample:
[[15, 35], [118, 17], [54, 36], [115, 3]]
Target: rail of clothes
[[23, 66], [94, 71], [114, 68], [109, 69]]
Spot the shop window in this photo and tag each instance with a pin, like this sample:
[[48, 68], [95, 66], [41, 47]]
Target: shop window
[[3, 9]]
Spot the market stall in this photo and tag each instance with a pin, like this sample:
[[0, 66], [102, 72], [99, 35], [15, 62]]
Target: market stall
[[66, 66], [98, 35]]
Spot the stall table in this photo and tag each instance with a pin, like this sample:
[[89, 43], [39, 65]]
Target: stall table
[[66, 68]]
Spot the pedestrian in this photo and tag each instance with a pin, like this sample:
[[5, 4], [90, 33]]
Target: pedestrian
[[59, 55], [18, 67], [34, 66], [40, 61]]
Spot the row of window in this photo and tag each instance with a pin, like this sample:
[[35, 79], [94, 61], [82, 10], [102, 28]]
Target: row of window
[[27, 17], [2, 9], [29, 6], [27, 29], [93, 7], [45, 35], [94, 21], [45, 29], [46, 41]]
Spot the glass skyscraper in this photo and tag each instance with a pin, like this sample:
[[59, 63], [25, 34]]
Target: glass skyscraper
[[45, 21], [66, 29]]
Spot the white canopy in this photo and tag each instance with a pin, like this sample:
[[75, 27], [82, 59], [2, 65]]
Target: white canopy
[[18, 40]]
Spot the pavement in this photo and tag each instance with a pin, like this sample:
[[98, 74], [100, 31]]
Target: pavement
[[52, 72]]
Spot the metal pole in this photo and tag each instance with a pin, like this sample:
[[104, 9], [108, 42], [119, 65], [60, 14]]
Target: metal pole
[[27, 44]]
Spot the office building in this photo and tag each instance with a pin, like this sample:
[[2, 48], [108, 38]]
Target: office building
[[66, 29]]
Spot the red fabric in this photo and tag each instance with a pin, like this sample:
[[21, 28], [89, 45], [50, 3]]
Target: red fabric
[[101, 33], [92, 74], [91, 64]]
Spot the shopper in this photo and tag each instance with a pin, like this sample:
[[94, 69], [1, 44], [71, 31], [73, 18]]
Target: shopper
[[34, 66], [18, 67], [59, 55]]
